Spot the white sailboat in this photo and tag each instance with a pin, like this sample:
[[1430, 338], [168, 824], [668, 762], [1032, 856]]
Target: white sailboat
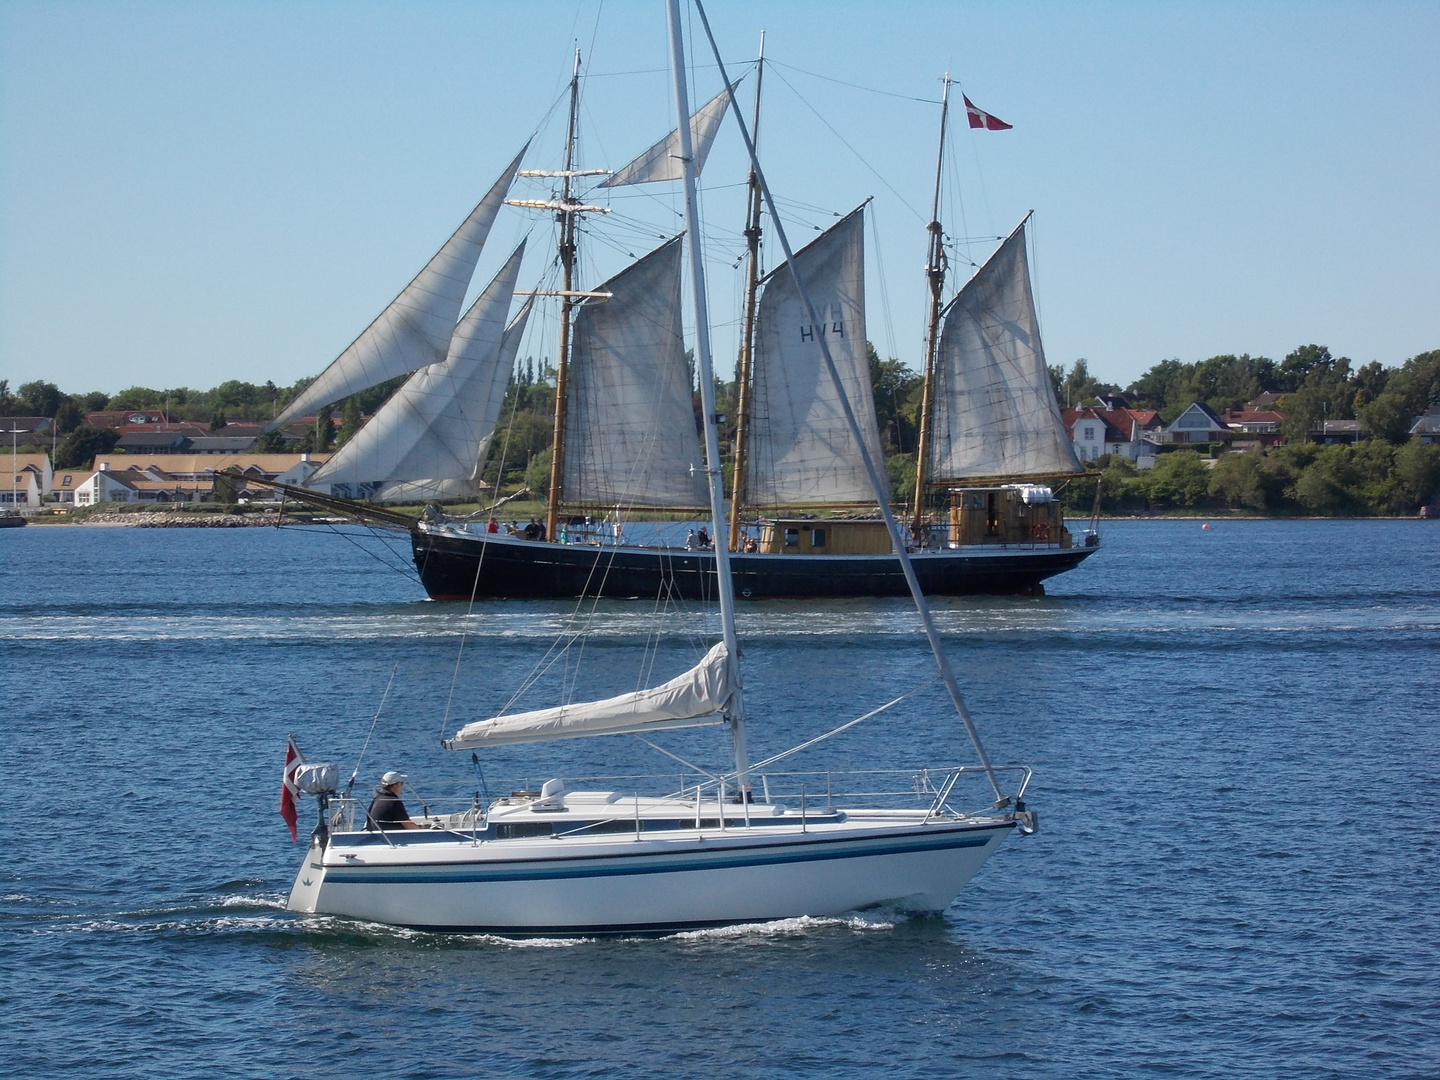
[[725, 851]]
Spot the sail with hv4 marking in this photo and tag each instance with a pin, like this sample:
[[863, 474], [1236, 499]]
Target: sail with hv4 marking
[[802, 449], [630, 435], [662, 161], [696, 698], [427, 439], [995, 412], [414, 330]]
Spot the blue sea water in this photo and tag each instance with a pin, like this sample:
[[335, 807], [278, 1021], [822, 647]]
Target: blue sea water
[[1233, 733]]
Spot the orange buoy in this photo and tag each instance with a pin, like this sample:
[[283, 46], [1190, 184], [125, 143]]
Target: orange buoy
[[1205, 526]]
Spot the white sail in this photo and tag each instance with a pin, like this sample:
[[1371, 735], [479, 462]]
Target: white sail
[[431, 429], [693, 699], [464, 487], [995, 412], [662, 161], [801, 447], [414, 330], [630, 434]]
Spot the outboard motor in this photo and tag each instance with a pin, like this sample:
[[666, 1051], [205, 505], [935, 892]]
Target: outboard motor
[[321, 779]]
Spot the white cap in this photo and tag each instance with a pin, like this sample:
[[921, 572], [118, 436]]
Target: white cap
[[393, 777]]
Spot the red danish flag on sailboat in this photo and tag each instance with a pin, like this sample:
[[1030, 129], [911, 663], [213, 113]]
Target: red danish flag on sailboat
[[288, 790], [979, 118]]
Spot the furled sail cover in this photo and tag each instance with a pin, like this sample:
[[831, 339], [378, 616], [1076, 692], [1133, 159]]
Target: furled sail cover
[[414, 331], [630, 436], [693, 699], [431, 428], [995, 412], [801, 447], [662, 161]]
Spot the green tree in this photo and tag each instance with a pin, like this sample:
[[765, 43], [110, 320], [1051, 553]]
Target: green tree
[[1417, 473], [324, 428], [1235, 481], [537, 474], [349, 422], [79, 448], [270, 442], [217, 420], [40, 398], [68, 416], [1179, 478]]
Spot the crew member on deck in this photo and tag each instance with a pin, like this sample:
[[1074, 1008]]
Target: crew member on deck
[[386, 810]]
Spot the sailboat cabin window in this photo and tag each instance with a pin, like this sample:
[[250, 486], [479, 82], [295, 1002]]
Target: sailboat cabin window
[[817, 538], [792, 537]]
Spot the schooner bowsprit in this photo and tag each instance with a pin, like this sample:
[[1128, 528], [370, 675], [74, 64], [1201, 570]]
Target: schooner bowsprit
[[587, 861]]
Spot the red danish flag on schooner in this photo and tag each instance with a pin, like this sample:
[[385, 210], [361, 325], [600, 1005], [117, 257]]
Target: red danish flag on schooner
[[979, 118]]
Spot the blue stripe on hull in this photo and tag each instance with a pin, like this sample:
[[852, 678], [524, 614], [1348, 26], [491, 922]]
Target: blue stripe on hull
[[625, 865]]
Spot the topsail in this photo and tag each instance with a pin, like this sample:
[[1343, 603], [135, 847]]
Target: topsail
[[995, 409], [414, 331], [801, 448], [425, 442], [662, 161]]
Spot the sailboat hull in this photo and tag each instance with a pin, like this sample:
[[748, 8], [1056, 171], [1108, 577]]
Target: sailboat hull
[[640, 886], [460, 565]]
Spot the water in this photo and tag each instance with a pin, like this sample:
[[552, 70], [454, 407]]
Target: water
[[1232, 733]]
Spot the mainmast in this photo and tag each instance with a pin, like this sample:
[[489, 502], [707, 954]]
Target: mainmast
[[747, 335], [706, 370], [566, 215], [935, 271]]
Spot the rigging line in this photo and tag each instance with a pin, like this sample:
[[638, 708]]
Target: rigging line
[[676, 757], [860, 157], [889, 316], [854, 86], [464, 636], [836, 731], [403, 568], [361, 759]]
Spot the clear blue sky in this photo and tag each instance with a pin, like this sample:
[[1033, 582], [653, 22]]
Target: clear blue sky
[[191, 192]]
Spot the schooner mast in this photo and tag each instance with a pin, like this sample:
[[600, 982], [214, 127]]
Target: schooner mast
[[567, 212], [747, 337], [935, 266]]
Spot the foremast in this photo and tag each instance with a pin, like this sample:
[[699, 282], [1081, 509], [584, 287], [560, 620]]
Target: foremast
[[566, 215], [747, 336], [706, 370], [935, 266]]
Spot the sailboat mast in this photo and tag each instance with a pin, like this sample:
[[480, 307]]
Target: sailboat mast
[[566, 215], [747, 334], [935, 271], [707, 396], [897, 539]]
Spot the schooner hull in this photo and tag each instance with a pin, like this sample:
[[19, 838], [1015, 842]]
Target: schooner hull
[[642, 886], [456, 566]]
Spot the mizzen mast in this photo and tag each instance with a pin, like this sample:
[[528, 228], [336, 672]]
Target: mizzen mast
[[935, 266], [747, 335]]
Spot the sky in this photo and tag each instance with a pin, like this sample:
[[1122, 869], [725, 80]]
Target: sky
[[195, 192]]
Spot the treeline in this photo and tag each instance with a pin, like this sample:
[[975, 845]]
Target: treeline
[[1384, 474], [1315, 386], [1373, 477]]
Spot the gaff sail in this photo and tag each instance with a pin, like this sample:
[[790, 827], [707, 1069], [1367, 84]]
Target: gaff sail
[[662, 161], [995, 411], [414, 330], [802, 449], [696, 698], [425, 440], [630, 434]]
